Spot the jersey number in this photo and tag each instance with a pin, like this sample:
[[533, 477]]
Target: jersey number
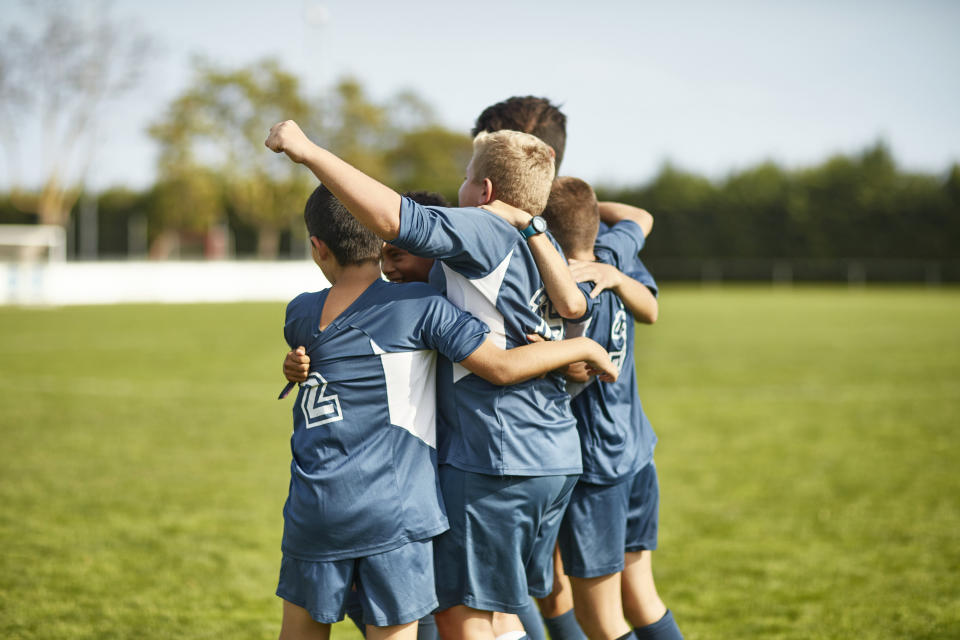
[[319, 408]]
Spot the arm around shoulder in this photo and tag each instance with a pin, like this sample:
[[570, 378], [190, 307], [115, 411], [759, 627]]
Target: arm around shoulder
[[613, 212], [504, 367]]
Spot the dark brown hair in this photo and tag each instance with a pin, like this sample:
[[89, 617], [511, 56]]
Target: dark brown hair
[[348, 240], [528, 114]]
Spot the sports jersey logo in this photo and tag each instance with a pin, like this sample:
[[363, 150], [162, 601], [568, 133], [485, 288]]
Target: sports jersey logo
[[551, 323], [319, 408], [618, 338]]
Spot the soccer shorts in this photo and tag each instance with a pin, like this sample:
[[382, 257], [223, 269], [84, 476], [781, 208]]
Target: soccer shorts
[[499, 549], [394, 587], [603, 522]]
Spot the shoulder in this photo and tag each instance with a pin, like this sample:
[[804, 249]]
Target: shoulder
[[304, 302], [624, 239]]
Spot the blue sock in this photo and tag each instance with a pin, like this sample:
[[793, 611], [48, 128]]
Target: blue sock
[[663, 629], [427, 628], [532, 624], [564, 627]]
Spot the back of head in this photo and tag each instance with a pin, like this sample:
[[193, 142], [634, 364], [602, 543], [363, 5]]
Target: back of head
[[572, 214], [519, 165], [427, 198], [349, 241], [529, 115]]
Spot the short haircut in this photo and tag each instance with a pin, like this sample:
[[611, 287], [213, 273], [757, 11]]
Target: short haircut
[[529, 115], [572, 214], [348, 240], [519, 165], [427, 198]]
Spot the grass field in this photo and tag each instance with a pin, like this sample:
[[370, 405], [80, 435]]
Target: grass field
[[809, 460]]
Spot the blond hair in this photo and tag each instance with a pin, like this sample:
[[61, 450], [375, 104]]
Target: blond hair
[[519, 165]]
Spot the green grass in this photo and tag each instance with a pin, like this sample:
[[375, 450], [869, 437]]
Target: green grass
[[808, 463]]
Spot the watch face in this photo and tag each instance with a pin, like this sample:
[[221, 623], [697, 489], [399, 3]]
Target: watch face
[[539, 224]]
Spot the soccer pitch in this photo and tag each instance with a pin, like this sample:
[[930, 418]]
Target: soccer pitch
[[807, 458]]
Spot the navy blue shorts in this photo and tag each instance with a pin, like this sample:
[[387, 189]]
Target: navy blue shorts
[[394, 587], [499, 549], [605, 521]]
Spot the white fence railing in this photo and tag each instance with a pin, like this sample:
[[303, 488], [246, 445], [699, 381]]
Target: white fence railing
[[68, 283]]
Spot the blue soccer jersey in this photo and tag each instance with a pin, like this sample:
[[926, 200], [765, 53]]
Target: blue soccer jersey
[[363, 475], [616, 436], [485, 267]]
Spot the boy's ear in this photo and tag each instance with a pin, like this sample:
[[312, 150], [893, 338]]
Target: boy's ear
[[489, 194], [323, 251]]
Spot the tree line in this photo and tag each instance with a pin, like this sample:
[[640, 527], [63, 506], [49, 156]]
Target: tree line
[[217, 192]]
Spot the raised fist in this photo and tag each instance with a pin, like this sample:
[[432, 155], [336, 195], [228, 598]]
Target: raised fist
[[286, 137]]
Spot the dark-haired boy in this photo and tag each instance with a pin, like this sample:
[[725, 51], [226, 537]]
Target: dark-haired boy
[[511, 455], [363, 502], [611, 520]]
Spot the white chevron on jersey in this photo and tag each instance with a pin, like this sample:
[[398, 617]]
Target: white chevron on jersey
[[411, 391], [479, 297]]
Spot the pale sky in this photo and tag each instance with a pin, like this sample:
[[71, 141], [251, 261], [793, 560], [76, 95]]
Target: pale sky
[[710, 86]]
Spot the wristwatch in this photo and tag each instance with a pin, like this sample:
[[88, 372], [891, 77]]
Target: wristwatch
[[537, 225]]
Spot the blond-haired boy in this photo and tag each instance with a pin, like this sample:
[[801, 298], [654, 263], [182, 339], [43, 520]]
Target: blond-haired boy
[[509, 456]]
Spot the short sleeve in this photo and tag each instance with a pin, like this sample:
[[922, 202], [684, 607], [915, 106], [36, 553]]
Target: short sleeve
[[625, 239], [470, 239], [585, 289], [298, 326], [454, 333]]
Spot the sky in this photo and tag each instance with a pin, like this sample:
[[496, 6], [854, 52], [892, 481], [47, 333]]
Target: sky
[[711, 87]]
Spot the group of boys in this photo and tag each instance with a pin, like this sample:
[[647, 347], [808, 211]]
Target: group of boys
[[438, 458]]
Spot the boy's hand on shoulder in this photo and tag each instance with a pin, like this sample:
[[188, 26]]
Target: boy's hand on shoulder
[[287, 137], [516, 217], [296, 366], [604, 276]]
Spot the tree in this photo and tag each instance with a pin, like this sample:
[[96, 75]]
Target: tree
[[59, 73], [217, 127]]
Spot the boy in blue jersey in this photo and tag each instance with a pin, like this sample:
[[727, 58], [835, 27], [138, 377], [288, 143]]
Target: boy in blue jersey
[[538, 116], [509, 456], [610, 527], [363, 502]]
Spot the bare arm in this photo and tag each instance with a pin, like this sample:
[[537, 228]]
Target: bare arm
[[637, 298], [375, 205], [495, 365], [561, 288], [613, 212]]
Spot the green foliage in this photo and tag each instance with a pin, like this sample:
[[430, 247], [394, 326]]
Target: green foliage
[[212, 153], [859, 206], [213, 163], [806, 457]]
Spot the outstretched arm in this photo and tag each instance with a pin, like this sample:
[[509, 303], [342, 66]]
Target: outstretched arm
[[613, 212], [375, 205], [495, 365], [636, 297]]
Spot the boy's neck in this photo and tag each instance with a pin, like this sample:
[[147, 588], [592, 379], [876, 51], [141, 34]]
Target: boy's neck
[[355, 276]]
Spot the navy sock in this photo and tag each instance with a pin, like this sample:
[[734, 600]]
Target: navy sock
[[564, 627], [427, 629], [532, 624], [663, 629]]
